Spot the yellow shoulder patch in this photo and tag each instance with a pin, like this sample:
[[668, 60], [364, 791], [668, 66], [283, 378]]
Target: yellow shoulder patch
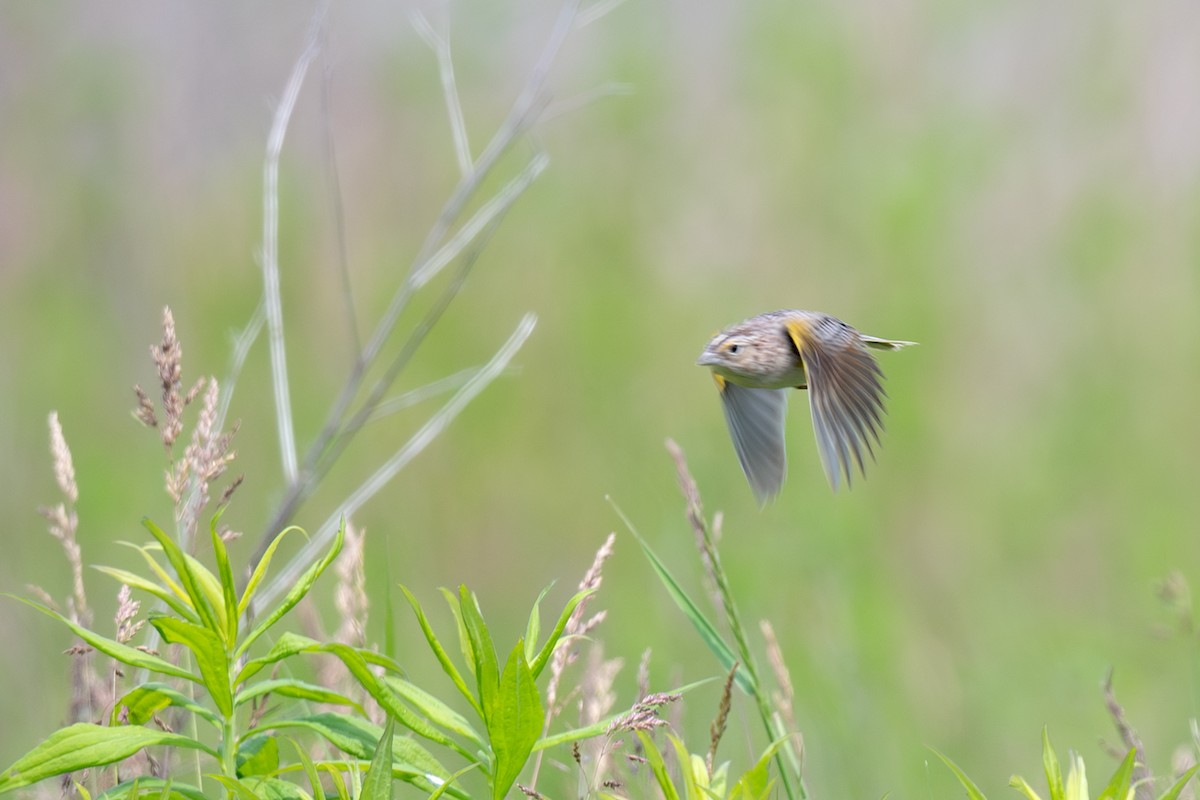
[[800, 332]]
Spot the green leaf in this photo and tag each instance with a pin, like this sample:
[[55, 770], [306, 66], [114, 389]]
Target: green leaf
[[387, 698], [165, 578], [84, 745], [377, 783], [260, 569], [358, 738], [487, 669], [515, 722], [543, 656], [972, 790], [110, 647], [290, 687], [296, 593], [708, 632], [209, 651], [464, 640], [260, 788], [756, 783], [439, 652], [135, 581], [1174, 792], [1054, 777], [148, 699], [183, 563], [434, 709], [658, 767], [688, 769], [310, 770], [1118, 785], [229, 601], [447, 785], [166, 790], [258, 755], [288, 645], [533, 628], [1022, 786]]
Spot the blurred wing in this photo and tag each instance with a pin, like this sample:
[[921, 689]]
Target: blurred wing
[[756, 419], [845, 393]]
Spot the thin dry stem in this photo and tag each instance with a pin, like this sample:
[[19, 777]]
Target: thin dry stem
[[1142, 780], [564, 652], [643, 674]]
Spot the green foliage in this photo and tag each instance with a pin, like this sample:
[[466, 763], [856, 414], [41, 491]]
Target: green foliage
[[505, 699], [697, 783], [205, 620], [1074, 786]]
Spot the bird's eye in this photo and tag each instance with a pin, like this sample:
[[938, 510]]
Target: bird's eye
[[732, 348]]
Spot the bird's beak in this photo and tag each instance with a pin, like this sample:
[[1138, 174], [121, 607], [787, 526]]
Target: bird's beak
[[707, 359]]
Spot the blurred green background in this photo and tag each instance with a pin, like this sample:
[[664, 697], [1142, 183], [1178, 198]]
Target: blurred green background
[[1014, 185]]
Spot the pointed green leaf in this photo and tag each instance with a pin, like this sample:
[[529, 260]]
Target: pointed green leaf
[[135, 581], [515, 722], [434, 709], [972, 790], [191, 581], [310, 770], [260, 569], [687, 769], [83, 745], [1054, 777], [756, 783], [464, 640], [288, 645], [211, 657], [448, 784], [439, 652], [377, 783], [1077, 788], [658, 767], [296, 593], [110, 647], [145, 701], [543, 656], [164, 577], [487, 669], [1118, 785], [387, 698], [533, 628], [358, 738], [708, 632], [229, 601], [1177, 789], [290, 687]]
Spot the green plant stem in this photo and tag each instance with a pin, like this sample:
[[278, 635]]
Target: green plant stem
[[708, 546]]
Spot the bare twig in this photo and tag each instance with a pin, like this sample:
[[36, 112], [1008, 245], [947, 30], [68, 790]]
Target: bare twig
[[419, 441], [270, 251]]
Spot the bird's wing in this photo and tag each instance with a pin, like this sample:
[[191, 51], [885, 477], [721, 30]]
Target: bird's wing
[[845, 393], [756, 419]]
